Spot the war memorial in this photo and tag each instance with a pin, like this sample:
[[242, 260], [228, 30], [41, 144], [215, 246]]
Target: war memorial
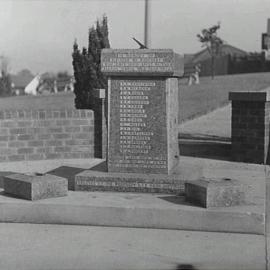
[[143, 154], [143, 151], [144, 181]]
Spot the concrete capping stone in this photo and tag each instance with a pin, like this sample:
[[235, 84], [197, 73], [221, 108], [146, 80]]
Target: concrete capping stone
[[35, 187], [44, 114], [215, 192], [250, 96]]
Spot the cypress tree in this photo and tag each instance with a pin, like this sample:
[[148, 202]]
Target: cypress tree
[[87, 67], [5, 84]]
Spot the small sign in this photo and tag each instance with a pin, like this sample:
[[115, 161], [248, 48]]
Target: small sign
[[265, 41], [267, 55]]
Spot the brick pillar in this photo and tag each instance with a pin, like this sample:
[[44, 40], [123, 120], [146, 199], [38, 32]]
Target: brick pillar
[[250, 126], [100, 131]]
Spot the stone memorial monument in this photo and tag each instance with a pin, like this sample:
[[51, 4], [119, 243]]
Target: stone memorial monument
[[143, 151], [143, 110], [142, 120], [35, 187], [222, 192]]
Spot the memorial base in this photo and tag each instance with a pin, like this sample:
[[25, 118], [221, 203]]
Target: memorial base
[[215, 192], [35, 187], [97, 179]]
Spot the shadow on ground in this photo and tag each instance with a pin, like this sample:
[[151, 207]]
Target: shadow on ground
[[2, 175], [213, 148], [178, 199], [68, 173], [185, 267]]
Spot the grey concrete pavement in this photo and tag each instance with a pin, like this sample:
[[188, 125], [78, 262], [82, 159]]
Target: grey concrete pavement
[[213, 124], [42, 166], [40, 247]]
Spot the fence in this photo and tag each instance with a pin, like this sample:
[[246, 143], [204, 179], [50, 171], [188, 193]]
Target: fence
[[228, 64]]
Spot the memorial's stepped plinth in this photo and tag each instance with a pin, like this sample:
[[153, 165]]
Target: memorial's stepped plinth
[[124, 182], [98, 179]]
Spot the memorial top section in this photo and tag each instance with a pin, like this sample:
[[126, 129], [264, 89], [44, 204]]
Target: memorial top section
[[142, 62]]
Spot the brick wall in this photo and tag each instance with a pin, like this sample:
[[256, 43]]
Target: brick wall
[[50, 134], [250, 126]]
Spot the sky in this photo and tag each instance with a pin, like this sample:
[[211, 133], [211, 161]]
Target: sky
[[39, 34]]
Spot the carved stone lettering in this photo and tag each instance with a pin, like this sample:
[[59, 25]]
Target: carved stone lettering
[[137, 135], [163, 62]]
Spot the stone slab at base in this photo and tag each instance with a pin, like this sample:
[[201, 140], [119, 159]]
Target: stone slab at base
[[98, 179], [215, 192], [125, 182], [35, 187]]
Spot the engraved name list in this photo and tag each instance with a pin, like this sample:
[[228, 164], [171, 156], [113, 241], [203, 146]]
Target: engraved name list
[[139, 130]]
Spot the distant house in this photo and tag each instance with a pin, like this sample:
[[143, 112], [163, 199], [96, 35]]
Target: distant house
[[20, 81], [225, 49], [64, 84], [32, 87], [51, 83], [222, 60]]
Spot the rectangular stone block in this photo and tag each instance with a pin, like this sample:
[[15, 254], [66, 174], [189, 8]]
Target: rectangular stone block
[[215, 192], [129, 182], [35, 187], [147, 62]]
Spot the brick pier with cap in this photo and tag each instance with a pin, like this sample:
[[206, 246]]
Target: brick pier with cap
[[250, 126]]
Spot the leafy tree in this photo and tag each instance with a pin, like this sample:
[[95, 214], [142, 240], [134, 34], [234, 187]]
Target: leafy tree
[[87, 66], [212, 42], [5, 80], [5, 84]]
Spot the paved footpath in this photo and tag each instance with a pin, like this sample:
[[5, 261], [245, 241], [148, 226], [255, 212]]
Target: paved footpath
[[67, 247], [48, 247], [214, 124]]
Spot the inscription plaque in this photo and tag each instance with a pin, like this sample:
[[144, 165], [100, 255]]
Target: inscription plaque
[[163, 62], [137, 135]]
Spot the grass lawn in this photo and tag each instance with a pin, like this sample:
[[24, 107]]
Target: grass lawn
[[210, 94], [46, 102], [194, 100]]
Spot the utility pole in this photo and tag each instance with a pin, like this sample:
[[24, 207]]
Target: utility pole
[[147, 24]]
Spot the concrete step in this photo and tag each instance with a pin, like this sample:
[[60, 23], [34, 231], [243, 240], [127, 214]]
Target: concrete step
[[98, 179], [123, 182], [160, 211]]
